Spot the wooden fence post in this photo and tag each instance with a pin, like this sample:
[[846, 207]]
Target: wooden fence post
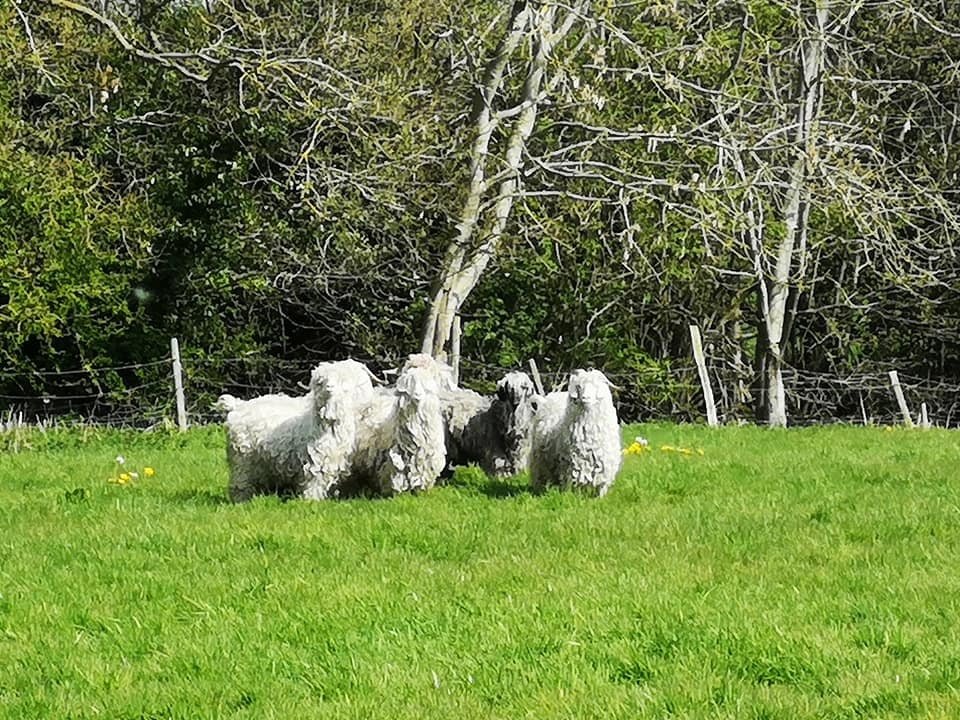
[[704, 376], [455, 350], [901, 401], [536, 377], [924, 418], [178, 384]]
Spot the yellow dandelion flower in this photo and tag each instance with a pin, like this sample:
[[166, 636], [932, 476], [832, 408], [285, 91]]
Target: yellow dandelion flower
[[123, 478], [681, 450], [149, 472]]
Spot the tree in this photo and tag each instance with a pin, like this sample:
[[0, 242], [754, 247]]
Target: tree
[[284, 182], [289, 178], [474, 246], [834, 168]]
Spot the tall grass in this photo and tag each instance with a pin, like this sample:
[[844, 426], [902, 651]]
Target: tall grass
[[801, 574]]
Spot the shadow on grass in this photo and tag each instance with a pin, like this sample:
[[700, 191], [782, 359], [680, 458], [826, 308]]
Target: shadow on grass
[[201, 497], [470, 480], [495, 488], [473, 479], [346, 494]]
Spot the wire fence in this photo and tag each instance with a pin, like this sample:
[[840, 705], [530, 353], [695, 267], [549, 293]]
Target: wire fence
[[142, 395]]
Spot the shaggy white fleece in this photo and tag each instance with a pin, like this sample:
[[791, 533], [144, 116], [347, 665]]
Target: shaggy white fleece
[[342, 436], [341, 390], [576, 436], [401, 432], [296, 446]]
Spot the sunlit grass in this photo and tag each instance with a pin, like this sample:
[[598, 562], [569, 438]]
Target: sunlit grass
[[799, 574]]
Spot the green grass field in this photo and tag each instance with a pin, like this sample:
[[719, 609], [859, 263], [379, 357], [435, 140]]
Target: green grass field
[[800, 574]]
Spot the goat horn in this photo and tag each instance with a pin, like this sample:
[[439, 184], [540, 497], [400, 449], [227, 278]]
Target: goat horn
[[373, 377]]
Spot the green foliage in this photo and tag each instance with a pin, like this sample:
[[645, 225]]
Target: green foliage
[[802, 574], [263, 214], [68, 263]]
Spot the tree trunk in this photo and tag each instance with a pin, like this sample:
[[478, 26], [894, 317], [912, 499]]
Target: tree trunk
[[794, 214], [466, 259], [484, 123]]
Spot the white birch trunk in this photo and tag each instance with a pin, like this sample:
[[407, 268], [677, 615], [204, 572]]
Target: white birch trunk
[[466, 259], [485, 123], [794, 214]]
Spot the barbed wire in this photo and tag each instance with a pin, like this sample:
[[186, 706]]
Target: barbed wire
[[83, 371], [659, 390]]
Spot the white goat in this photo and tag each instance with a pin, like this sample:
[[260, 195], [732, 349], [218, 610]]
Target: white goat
[[341, 390], [576, 436], [400, 432], [296, 446], [492, 432]]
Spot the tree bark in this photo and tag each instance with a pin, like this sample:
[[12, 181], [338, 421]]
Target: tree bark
[[484, 123], [794, 213], [467, 259]]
